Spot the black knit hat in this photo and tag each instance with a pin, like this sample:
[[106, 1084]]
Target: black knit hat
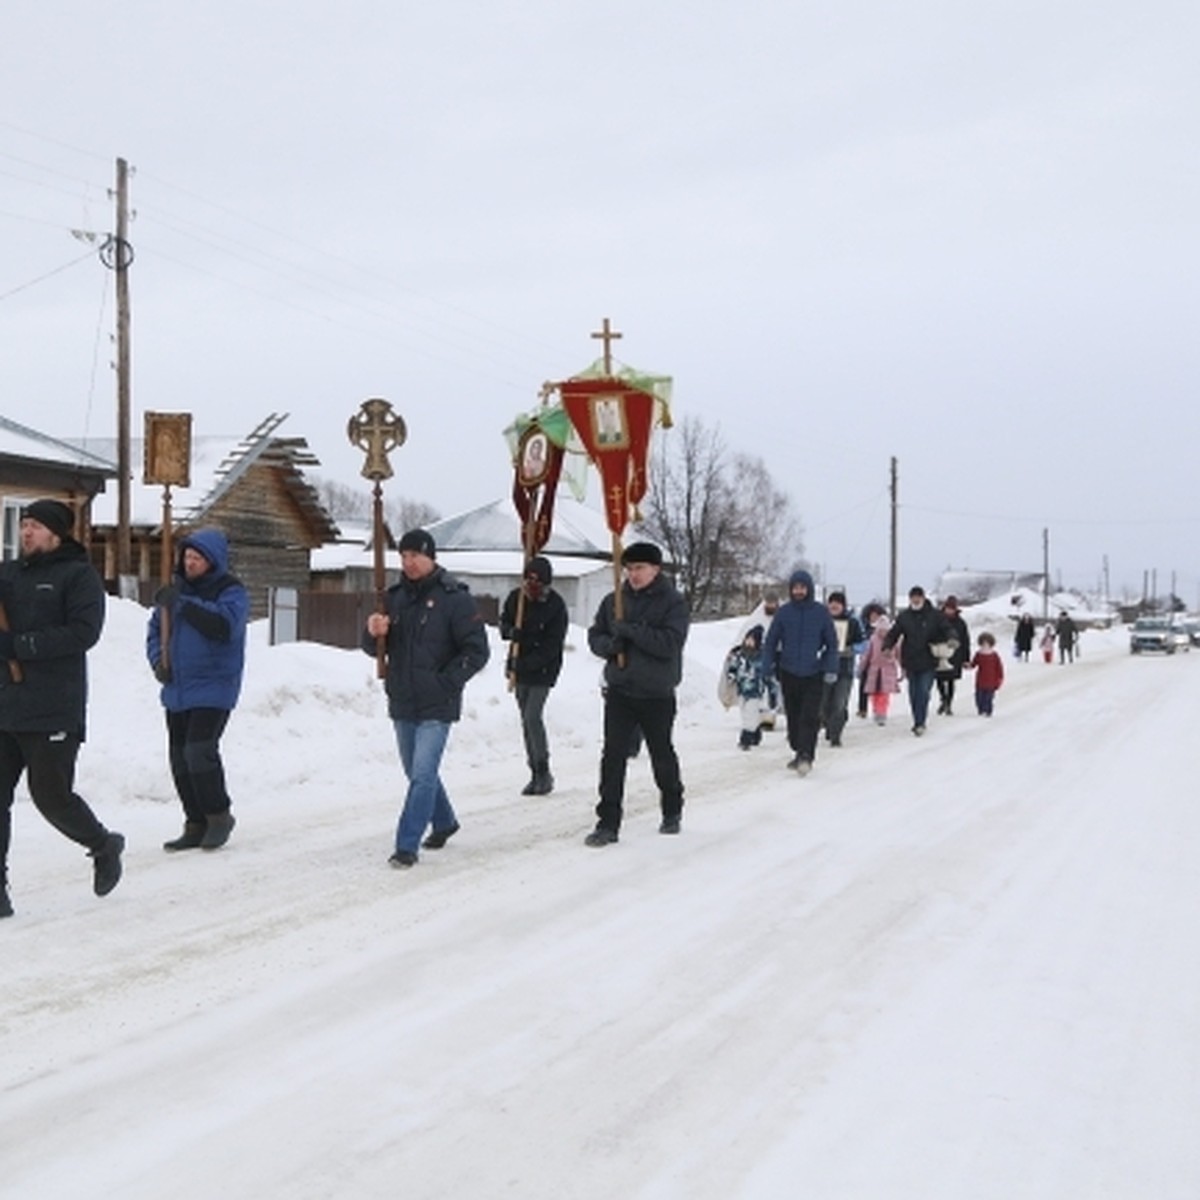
[[839, 597], [540, 569], [419, 541], [642, 552], [53, 514]]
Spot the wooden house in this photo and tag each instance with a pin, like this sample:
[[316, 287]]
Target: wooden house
[[253, 489], [34, 465]]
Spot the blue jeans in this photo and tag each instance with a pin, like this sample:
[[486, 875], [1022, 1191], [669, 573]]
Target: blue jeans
[[920, 684], [421, 744]]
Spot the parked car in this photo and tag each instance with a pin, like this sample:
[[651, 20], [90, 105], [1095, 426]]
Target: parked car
[[1181, 634], [1152, 634]]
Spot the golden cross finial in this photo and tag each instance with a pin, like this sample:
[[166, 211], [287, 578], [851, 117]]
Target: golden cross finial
[[607, 335], [377, 430]]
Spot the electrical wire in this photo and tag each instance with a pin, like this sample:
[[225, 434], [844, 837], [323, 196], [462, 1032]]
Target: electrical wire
[[49, 274]]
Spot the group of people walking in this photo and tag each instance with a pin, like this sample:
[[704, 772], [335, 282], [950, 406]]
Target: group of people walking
[[816, 651], [52, 608]]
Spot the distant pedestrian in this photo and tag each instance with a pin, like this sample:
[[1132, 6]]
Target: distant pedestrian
[[436, 641], [879, 671], [643, 653], [53, 605], [801, 646], [950, 667], [1024, 636], [1067, 635], [989, 674], [534, 662], [201, 677], [917, 629], [835, 703]]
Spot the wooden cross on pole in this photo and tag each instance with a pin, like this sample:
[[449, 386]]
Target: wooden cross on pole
[[607, 335]]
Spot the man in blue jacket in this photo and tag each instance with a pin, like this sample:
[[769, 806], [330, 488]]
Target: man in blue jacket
[[802, 647], [201, 676], [436, 641]]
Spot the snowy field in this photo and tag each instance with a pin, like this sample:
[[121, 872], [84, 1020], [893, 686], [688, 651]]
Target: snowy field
[[956, 968]]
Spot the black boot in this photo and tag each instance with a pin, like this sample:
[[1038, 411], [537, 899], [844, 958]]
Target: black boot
[[189, 839], [6, 908], [216, 833], [106, 864], [542, 783]]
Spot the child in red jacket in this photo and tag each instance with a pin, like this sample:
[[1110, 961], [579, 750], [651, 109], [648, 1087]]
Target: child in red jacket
[[989, 673]]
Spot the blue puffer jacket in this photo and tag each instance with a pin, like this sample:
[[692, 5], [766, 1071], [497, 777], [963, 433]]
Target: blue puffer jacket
[[207, 644], [801, 640]]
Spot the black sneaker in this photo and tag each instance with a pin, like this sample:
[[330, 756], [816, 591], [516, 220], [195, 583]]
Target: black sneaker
[[439, 837], [216, 834], [795, 761], [106, 864], [669, 825], [6, 908], [403, 859], [600, 837], [919, 730]]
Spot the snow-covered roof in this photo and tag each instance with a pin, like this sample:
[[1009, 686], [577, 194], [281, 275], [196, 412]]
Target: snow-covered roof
[[19, 441], [577, 530]]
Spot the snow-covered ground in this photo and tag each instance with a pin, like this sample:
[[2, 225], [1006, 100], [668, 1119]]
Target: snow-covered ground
[[958, 967]]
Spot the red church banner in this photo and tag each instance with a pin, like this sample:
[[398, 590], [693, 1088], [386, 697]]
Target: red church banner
[[613, 422]]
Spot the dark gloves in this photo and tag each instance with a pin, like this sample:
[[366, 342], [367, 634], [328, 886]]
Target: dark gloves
[[162, 673], [8, 645], [166, 596]]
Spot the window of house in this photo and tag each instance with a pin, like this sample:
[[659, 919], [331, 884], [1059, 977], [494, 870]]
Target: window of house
[[11, 527]]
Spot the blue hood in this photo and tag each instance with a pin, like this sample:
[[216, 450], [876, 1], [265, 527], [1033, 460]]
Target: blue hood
[[805, 578], [212, 543]]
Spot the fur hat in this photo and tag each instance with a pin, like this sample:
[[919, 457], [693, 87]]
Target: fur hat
[[53, 514], [419, 541], [539, 569], [642, 552]]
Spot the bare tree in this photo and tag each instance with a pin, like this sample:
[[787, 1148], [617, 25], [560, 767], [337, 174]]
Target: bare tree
[[404, 513], [719, 517], [347, 503]]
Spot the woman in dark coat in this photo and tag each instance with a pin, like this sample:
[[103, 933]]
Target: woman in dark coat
[[1023, 638]]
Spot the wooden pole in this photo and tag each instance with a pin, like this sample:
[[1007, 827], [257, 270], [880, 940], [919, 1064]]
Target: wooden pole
[[380, 578], [165, 569], [124, 537]]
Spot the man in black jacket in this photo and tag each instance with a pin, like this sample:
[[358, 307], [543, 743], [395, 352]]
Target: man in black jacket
[[534, 662], [53, 602], [920, 625], [643, 655], [436, 641]]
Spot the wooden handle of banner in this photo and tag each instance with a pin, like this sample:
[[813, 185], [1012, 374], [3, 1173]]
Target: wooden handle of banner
[[618, 598], [380, 577], [14, 667]]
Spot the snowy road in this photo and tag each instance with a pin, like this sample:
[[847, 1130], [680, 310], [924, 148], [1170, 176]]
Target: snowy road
[[956, 967]]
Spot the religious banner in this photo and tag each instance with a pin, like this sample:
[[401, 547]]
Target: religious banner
[[167, 453], [537, 464], [613, 420]]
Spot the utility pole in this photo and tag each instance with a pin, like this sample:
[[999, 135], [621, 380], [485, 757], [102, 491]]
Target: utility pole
[[120, 259], [1045, 574], [891, 597]]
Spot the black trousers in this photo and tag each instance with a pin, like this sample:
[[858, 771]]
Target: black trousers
[[49, 760], [802, 696], [194, 749], [623, 716]]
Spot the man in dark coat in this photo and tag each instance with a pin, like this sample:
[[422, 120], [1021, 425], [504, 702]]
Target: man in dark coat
[[534, 662], [802, 647], [201, 678], [436, 641], [920, 625], [53, 604], [643, 653]]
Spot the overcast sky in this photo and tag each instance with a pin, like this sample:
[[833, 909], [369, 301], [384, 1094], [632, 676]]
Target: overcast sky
[[962, 234]]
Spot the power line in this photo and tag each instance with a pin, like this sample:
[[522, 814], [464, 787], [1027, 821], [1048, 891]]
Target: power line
[[48, 275]]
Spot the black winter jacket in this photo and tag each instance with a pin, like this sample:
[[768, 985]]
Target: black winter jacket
[[435, 643], [918, 627], [538, 655], [651, 637], [55, 606]]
